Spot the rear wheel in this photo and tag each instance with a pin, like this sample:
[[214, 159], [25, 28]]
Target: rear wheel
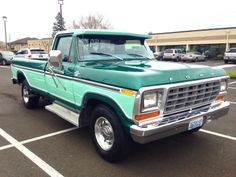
[[226, 62], [29, 99], [108, 135]]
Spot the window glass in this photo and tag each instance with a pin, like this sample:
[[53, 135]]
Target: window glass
[[168, 51], [63, 45], [25, 52], [95, 47], [232, 51], [37, 51]]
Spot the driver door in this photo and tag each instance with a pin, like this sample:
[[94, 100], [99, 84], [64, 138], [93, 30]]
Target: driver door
[[59, 84]]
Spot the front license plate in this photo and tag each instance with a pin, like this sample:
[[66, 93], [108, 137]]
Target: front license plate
[[195, 123]]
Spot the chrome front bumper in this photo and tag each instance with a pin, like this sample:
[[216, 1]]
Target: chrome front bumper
[[152, 132]]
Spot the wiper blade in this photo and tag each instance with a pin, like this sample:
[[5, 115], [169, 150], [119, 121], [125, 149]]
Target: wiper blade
[[138, 55], [107, 54]]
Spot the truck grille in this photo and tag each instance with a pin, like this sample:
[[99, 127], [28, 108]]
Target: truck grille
[[183, 97]]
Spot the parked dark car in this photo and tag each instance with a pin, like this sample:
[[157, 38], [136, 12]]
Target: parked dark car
[[5, 57]]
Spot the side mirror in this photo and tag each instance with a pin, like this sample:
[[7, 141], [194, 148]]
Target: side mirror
[[55, 58]]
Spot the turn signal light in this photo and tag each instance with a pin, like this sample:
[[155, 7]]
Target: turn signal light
[[220, 97], [147, 115]]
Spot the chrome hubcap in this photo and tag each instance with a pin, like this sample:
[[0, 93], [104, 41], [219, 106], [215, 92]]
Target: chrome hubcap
[[104, 133], [25, 94]]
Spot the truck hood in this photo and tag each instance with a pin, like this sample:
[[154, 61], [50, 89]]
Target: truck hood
[[135, 74]]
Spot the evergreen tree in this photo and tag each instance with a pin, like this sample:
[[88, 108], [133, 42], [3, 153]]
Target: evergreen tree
[[59, 25]]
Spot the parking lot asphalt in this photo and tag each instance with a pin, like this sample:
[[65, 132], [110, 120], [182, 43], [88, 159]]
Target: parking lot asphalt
[[42, 142]]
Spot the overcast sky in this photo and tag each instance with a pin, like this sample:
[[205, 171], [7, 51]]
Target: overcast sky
[[31, 18]]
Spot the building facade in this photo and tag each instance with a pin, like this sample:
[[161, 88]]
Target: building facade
[[215, 41], [44, 44]]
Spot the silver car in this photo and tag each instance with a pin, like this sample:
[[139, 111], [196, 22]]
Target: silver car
[[5, 57], [230, 56], [173, 54], [32, 53], [193, 56]]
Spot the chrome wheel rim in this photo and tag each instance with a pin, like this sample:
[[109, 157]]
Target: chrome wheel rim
[[104, 133], [26, 94], [3, 62]]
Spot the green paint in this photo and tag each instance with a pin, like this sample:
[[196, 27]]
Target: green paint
[[131, 74]]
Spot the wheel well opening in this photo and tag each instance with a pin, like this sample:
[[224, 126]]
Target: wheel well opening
[[20, 78], [86, 113]]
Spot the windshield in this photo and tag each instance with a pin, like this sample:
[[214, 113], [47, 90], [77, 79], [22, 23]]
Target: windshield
[[232, 51], [105, 47]]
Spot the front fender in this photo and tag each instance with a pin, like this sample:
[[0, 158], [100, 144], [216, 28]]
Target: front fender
[[110, 102]]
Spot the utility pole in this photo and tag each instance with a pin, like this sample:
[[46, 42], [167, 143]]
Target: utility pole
[[61, 2], [5, 20]]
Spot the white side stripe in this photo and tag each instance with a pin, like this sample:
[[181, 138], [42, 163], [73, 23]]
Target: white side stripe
[[218, 134], [34, 158]]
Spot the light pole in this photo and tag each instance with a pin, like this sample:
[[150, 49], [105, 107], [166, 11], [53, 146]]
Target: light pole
[[5, 20], [61, 2]]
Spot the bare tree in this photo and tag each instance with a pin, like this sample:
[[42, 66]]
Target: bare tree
[[92, 21]]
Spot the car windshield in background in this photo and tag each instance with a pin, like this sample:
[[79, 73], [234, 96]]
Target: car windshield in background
[[105, 47], [232, 51], [168, 51], [196, 53], [37, 52]]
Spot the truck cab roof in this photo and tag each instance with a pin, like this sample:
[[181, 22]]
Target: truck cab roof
[[78, 32]]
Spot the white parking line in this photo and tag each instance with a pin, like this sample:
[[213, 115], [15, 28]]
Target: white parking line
[[234, 82], [39, 138], [232, 102], [233, 88], [33, 157], [218, 134], [4, 66], [225, 66]]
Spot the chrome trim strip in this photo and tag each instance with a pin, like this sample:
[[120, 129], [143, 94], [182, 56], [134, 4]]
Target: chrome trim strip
[[114, 88]]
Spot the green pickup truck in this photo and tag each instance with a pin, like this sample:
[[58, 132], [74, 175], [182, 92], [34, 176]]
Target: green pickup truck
[[111, 82]]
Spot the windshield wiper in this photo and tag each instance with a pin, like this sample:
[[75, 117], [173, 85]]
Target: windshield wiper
[[107, 54], [138, 55]]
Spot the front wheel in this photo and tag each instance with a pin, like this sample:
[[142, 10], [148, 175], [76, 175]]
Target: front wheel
[[30, 100], [108, 135]]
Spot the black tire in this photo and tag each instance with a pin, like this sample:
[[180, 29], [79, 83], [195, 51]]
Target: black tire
[[118, 149], [4, 62], [29, 99], [226, 62], [177, 59]]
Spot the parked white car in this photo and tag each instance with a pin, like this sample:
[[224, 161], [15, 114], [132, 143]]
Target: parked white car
[[6, 57], [230, 56], [34, 53], [173, 54], [193, 56]]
